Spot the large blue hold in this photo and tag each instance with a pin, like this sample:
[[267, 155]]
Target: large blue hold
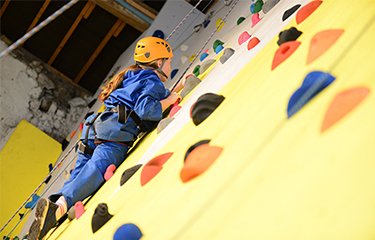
[[219, 48], [173, 73], [203, 56], [313, 83], [128, 231]]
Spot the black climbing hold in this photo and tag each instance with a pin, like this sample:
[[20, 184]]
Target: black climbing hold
[[240, 20], [204, 106], [89, 114], [290, 11], [64, 144], [128, 173], [159, 34], [91, 103], [196, 71], [192, 147], [100, 217], [288, 35]]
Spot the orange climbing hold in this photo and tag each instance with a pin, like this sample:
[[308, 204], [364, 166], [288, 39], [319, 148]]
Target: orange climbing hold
[[321, 42], [153, 167], [72, 135], [307, 10], [255, 19], [243, 38], [109, 172], [342, 104], [285, 50], [252, 43], [198, 161]]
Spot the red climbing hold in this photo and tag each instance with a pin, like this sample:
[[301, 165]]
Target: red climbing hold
[[342, 104], [153, 167], [307, 10], [285, 50], [79, 209], [174, 108], [243, 38], [321, 42], [109, 172], [81, 126], [198, 161], [255, 19], [252, 43]]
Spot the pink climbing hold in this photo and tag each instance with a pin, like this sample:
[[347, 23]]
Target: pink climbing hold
[[252, 43], [109, 173], [175, 108], [243, 38], [206, 51], [79, 209], [81, 126], [255, 19]]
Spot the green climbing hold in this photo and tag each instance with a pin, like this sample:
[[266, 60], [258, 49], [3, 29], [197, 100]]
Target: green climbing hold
[[217, 43], [196, 71], [240, 20], [258, 6]]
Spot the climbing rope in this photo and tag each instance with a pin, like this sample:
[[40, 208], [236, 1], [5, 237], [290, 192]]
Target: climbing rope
[[49, 174], [183, 20], [208, 40], [37, 28]]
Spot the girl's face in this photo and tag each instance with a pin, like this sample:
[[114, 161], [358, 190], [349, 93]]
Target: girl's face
[[166, 68]]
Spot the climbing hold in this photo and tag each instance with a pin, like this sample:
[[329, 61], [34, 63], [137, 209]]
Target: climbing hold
[[173, 73], [153, 167], [217, 43], [86, 116], [291, 34], [50, 167], [206, 51], [240, 20], [307, 10], [194, 146], [128, 173], [72, 135], [66, 175], [290, 11], [218, 49], [204, 106], [267, 6], [203, 56], [175, 108], [184, 59], [252, 43], [196, 70], [198, 161], [64, 144], [205, 24], [252, 8], [192, 57], [91, 103], [100, 217], [228, 52], [163, 124], [128, 231], [71, 213], [184, 48], [321, 42], [258, 6], [243, 38], [218, 22], [313, 83], [190, 83], [255, 19], [206, 64], [343, 103], [33, 202], [79, 209], [159, 34], [284, 52], [109, 172]]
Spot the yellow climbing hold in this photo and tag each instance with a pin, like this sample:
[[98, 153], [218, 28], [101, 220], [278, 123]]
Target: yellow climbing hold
[[218, 21]]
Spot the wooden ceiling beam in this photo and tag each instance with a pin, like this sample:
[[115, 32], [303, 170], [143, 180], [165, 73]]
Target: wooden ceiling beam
[[124, 14], [147, 10], [39, 15], [4, 6]]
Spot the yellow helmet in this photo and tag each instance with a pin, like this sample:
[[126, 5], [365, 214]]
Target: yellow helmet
[[149, 49]]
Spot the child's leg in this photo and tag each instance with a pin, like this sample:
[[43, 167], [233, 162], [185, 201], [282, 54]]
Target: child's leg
[[87, 181]]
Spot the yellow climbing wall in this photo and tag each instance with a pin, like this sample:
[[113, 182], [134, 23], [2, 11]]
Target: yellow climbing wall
[[276, 178], [24, 164]]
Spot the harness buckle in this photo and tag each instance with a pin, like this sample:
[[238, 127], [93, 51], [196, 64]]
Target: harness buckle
[[85, 149]]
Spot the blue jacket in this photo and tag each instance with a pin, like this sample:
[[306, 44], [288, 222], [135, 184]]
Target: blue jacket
[[141, 91]]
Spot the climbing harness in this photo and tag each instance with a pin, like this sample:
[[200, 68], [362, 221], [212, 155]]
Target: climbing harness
[[124, 114]]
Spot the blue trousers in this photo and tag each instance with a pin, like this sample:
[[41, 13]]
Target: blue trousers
[[88, 173]]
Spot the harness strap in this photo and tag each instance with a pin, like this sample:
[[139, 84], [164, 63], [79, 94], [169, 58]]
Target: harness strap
[[124, 114], [84, 147]]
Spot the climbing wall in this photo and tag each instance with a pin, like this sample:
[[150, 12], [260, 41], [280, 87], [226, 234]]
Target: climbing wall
[[289, 151]]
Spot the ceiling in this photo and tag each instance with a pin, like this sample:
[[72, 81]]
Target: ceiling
[[83, 43]]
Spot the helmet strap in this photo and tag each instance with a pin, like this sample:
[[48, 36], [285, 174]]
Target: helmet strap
[[159, 70]]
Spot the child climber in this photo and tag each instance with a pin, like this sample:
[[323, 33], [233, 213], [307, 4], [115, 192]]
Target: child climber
[[135, 99]]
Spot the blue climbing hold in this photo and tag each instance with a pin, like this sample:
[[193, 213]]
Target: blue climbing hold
[[313, 83], [219, 48], [203, 56], [159, 34], [128, 231], [252, 8], [205, 24], [50, 166], [173, 73], [33, 202]]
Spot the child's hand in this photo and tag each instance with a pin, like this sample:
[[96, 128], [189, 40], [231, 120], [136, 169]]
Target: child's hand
[[174, 97]]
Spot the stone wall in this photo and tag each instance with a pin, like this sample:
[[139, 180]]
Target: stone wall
[[30, 90]]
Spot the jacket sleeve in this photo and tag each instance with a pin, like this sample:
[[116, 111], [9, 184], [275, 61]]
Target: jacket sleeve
[[148, 106]]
